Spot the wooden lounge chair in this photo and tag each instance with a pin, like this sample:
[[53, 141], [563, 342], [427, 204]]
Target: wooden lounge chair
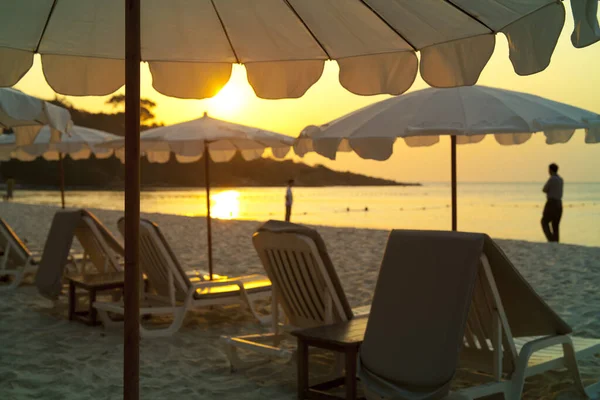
[[305, 285], [173, 291], [101, 250], [509, 331]]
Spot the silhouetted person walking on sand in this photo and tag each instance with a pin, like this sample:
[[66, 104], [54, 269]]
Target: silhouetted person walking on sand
[[10, 187], [553, 209], [289, 200]]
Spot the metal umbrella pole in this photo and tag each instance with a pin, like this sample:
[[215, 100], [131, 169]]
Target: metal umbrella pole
[[208, 221], [61, 171], [453, 182]]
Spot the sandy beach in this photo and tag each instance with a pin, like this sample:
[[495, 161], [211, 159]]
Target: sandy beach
[[43, 355]]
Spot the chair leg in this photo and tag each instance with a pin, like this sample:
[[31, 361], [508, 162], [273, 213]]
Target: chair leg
[[17, 279], [178, 317], [107, 321], [570, 357], [236, 363], [248, 300], [253, 343]]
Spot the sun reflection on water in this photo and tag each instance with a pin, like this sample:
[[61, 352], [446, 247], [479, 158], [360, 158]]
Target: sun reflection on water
[[225, 205]]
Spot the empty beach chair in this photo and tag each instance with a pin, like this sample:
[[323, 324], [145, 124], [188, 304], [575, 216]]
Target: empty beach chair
[[16, 260], [305, 285], [510, 332], [172, 291], [513, 334], [101, 249], [418, 315]]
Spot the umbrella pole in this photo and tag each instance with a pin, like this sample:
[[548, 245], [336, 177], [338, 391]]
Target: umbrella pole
[[453, 183], [208, 226], [131, 338], [61, 171]]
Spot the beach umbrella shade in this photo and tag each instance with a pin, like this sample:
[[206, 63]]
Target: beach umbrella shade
[[465, 113], [26, 115], [79, 144], [206, 137], [190, 47]]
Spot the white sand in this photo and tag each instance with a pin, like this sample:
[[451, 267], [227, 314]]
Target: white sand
[[42, 355]]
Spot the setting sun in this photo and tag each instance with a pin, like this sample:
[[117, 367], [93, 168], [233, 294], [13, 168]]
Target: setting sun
[[225, 205], [228, 100]]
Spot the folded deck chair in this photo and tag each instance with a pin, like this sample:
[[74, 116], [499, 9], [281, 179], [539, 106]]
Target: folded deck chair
[[510, 331], [17, 261], [305, 285], [101, 249], [172, 291], [418, 315]]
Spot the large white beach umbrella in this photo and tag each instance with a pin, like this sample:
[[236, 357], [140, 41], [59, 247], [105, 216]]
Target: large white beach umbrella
[[465, 113], [26, 115], [79, 144], [190, 46], [207, 137]]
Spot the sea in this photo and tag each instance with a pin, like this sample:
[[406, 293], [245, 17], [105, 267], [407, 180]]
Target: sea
[[502, 210]]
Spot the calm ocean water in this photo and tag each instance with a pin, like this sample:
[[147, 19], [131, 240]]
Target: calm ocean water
[[503, 210]]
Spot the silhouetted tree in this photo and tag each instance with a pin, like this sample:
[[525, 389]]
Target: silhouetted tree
[[146, 114]]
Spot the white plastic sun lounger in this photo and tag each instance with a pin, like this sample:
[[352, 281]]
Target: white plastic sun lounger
[[513, 334], [509, 331], [17, 261], [172, 291], [305, 285], [101, 250]]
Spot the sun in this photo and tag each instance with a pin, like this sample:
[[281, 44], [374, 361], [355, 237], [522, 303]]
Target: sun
[[225, 205], [228, 100]]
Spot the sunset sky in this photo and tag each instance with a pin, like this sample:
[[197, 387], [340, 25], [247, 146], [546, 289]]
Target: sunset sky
[[573, 77]]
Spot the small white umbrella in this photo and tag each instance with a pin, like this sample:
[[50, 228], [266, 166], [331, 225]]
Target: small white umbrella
[[466, 113], [26, 115], [219, 139], [80, 144]]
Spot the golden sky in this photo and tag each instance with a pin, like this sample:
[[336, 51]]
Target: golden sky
[[573, 77]]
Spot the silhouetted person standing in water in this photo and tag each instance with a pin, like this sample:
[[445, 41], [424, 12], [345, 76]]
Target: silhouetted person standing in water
[[553, 209], [289, 200]]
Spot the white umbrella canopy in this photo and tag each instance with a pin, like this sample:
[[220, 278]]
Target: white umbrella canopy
[[465, 113], [223, 139], [209, 137], [80, 144], [469, 113], [27, 115], [283, 43]]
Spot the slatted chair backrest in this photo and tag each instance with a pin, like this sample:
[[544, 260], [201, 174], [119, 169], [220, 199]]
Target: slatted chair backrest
[[99, 246], [165, 276], [14, 251], [301, 282]]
